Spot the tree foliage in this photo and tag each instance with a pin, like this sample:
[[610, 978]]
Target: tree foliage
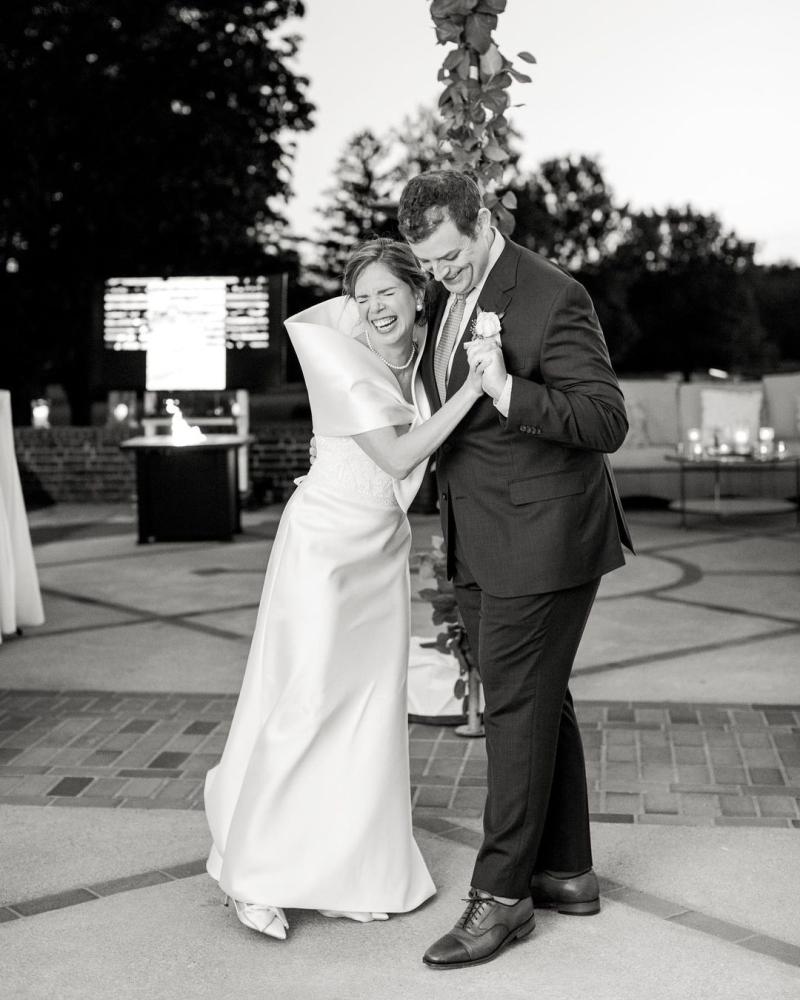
[[149, 137], [674, 289]]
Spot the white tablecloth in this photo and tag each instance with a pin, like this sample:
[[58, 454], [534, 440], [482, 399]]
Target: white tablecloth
[[20, 599]]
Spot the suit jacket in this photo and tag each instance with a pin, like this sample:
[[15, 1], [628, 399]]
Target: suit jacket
[[532, 496]]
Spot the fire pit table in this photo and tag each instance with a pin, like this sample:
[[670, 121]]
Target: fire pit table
[[187, 492]]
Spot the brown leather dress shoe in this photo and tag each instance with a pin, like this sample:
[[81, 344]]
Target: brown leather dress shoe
[[485, 928], [578, 895]]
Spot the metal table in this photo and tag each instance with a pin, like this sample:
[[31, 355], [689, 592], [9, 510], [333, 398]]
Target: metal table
[[719, 505], [187, 492]]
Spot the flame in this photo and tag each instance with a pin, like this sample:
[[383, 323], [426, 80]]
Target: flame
[[182, 432]]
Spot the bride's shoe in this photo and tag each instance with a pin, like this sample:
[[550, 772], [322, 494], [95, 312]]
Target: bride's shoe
[[269, 920], [361, 918]]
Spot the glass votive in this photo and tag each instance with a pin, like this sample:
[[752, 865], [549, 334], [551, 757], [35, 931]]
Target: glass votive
[[780, 448], [764, 449], [766, 434], [741, 440], [40, 413], [724, 448], [693, 434], [696, 450]]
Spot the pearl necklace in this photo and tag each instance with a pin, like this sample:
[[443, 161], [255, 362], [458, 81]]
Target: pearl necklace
[[395, 368]]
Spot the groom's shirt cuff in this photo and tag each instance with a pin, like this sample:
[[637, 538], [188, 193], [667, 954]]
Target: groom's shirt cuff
[[503, 401]]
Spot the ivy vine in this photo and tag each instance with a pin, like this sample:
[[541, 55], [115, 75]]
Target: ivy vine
[[473, 104]]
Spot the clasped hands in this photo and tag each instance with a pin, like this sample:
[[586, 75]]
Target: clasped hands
[[487, 369]]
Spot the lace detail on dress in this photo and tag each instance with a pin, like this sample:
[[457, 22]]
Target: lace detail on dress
[[341, 461]]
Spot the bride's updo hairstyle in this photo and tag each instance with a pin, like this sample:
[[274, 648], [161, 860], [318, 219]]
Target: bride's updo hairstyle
[[396, 256]]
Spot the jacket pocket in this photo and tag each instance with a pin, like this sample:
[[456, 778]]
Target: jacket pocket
[[558, 484]]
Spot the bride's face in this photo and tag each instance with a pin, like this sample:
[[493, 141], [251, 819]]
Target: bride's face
[[386, 304]]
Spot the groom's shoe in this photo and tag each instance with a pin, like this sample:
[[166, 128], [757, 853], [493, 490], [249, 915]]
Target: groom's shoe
[[485, 928], [577, 895]]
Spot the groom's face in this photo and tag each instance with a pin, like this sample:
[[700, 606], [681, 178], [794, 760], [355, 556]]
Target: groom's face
[[457, 260]]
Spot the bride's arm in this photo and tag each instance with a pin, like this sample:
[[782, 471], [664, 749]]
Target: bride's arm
[[398, 452]]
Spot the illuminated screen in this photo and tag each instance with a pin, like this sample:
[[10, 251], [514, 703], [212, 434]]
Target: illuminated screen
[[185, 325]]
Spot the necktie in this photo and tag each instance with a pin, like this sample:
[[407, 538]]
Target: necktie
[[444, 348]]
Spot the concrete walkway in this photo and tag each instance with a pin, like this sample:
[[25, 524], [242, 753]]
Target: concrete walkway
[[688, 692]]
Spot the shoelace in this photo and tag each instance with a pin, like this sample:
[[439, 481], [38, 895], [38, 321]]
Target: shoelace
[[475, 908]]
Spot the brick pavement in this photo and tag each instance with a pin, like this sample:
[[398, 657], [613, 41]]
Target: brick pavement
[[724, 765]]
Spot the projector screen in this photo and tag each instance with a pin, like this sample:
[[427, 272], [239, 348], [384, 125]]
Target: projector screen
[[186, 325]]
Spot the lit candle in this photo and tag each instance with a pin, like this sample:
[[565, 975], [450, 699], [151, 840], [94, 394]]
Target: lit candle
[[780, 447], [697, 450], [40, 414], [766, 434], [694, 434], [741, 440], [724, 448]]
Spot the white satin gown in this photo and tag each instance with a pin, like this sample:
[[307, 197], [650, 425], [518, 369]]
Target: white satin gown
[[310, 804]]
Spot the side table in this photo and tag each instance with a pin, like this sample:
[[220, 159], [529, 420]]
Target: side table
[[719, 505], [187, 492]]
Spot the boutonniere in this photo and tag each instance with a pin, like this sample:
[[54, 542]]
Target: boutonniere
[[487, 326]]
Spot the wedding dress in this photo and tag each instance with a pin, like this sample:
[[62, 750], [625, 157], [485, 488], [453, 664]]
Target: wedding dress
[[310, 806]]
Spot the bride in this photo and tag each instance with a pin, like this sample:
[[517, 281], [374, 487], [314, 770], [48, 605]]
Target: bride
[[309, 806]]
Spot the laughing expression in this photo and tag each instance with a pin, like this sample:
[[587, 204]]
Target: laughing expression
[[457, 261], [387, 306]]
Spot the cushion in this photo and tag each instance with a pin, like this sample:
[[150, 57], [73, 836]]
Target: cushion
[[652, 407], [782, 395], [724, 411], [690, 406]]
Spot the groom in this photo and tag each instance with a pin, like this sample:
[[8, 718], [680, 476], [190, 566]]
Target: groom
[[531, 521]]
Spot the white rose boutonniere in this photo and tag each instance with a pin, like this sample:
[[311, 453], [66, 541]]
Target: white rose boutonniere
[[487, 326]]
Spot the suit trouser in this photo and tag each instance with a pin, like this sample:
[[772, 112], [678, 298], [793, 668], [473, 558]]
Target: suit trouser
[[537, 813]]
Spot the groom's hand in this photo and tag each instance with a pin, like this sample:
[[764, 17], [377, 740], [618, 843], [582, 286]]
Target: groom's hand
[[494, 373]]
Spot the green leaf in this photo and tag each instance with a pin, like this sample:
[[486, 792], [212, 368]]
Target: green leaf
[[520, 77], [478, 31], [495, 153], [447, 8], [509, 199], [527, 57], [491, 62]]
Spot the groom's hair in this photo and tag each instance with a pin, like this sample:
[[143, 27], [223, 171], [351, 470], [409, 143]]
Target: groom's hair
[[430, 198]]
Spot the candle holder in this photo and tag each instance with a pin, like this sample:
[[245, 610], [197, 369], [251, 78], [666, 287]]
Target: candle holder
[[40, 414]]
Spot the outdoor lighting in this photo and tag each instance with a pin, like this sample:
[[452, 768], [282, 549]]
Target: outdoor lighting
[[741, 440], [181, 432], [40, 414]]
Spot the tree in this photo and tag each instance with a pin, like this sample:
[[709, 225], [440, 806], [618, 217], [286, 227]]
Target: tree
[[355, 209], [567, 212], [149, 138]]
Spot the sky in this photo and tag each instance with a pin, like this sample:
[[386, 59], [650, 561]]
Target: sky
[[685, 102]]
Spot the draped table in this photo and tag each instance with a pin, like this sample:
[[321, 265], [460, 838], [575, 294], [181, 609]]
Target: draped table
[[20, 598]]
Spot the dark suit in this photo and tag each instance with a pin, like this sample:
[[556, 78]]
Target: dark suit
[[532, 521]]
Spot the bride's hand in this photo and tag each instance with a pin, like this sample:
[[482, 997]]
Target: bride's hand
[[480, 354]]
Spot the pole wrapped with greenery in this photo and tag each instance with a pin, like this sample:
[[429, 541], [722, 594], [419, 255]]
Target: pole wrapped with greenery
[[473, 104]]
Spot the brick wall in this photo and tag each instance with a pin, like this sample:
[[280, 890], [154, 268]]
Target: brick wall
[[86, 463]]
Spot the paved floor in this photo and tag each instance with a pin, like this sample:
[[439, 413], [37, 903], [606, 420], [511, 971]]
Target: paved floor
[[688, 693]]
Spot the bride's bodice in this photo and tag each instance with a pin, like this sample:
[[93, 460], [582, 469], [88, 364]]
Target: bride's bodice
[[342, 464]]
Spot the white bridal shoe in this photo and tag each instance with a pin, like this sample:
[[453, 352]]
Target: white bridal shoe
[[362, 918], [269, 920]]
